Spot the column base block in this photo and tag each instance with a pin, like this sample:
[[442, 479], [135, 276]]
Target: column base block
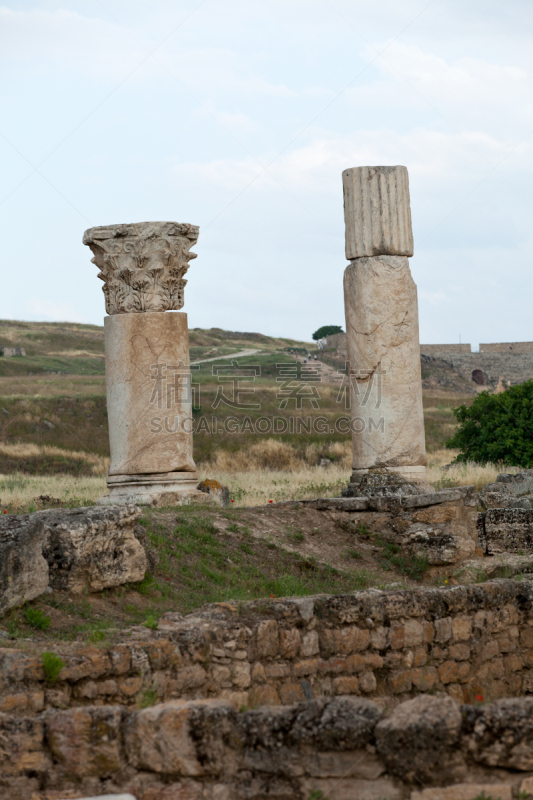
[[387, 481], [153, 489]]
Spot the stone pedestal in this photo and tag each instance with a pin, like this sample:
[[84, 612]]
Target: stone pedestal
[[382, 327], [148, 382]]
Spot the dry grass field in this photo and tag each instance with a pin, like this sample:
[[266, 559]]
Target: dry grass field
[[269, 471], [54, 436]]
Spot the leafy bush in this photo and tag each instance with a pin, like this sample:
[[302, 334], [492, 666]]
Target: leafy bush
[[36, 618], [52, 666], [326, 330], [497, 428]]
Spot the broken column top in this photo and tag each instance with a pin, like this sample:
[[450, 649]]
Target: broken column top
[[142, 264], [377, 212]]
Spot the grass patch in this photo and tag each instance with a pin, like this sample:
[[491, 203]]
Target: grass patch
[[354, 554], [413, 567], [52, 665], [36, 618], [148, 698], [199, 567]]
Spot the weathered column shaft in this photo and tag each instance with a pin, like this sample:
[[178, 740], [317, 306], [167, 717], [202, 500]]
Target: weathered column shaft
[[382, 324], [384, 359], [148, 393]]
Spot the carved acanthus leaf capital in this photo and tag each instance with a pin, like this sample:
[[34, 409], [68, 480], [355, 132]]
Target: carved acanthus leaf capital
[[142, 265]]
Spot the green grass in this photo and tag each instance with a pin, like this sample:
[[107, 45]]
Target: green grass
[[197, 566], [52, 665], [148, 698], [354, 554], [36, 618], [151, 622], [413, 567]]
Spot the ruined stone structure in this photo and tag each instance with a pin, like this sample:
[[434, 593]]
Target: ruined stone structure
[[486, 367], [213, 672], [148, 383], [507, 362], [430, 349], [382, 324], [77, 549], [11, 352]]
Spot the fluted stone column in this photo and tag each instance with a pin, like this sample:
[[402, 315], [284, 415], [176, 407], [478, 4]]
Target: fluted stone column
[[382, 325], [149, 391]]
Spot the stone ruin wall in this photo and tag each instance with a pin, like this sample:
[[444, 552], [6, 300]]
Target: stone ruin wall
[[321, 660], [513, 367], [507, 347], [429, 748], [431, 349], [494, 360], [466, 642]]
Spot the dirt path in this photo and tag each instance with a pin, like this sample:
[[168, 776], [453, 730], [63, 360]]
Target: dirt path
[[240, 354]]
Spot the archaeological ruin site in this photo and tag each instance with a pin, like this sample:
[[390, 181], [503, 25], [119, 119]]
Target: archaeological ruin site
[[395, 661]]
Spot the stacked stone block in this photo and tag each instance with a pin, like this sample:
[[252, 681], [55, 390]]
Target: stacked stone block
[[209, 735], [382, 324], [466, 642]]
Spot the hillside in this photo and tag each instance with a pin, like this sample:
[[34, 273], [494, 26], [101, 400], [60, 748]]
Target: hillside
[[76, 349], [55, 397]]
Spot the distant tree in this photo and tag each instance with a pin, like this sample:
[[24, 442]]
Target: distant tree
[[326, 330], [497, 428]]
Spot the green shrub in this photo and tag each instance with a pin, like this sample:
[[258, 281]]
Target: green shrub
[[36, 618], [497, 428], [151, 622], [52, 666]]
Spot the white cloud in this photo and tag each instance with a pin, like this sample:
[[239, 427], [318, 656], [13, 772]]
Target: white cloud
[[236, 123], [109, 51], [465, 91], [48, 310]]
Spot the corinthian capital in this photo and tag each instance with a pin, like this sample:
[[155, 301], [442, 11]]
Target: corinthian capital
[[143, 264]]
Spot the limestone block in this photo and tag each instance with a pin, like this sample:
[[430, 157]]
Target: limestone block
[[92, 548], [164, 738], [384, 362], [86, 741], [142, 265], [22, 746], [23, 570], [466, 791], [507, 530], [501, 734], [377, 213], [419, 741], [149, 394]]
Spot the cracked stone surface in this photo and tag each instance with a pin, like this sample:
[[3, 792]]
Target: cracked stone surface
[[384, 357], [149, 398]]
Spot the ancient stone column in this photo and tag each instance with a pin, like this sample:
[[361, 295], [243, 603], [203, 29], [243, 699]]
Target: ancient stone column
[[382, 325], [148, 384]]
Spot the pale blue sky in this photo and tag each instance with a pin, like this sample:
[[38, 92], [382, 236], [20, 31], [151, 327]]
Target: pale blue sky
[[239, 116]]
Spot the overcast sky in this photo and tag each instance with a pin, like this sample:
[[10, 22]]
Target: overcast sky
[[239, 116]]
